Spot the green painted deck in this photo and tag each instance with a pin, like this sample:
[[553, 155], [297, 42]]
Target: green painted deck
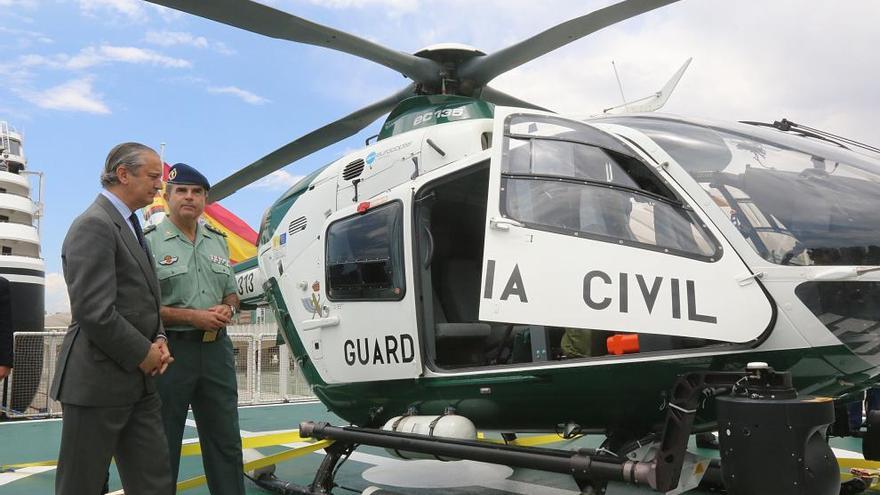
[[30, 441]]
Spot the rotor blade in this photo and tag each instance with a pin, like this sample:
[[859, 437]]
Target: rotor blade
[[497, 97], [261, 19], [308, 144], [483, 69]]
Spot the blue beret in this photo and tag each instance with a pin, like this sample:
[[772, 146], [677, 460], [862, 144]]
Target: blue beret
[[182, 173]]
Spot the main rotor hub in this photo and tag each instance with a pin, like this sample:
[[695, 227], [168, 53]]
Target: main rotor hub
[[449, 53], [450, 56]]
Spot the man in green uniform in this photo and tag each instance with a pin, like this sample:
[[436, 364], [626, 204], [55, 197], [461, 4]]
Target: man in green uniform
[[198, 300]]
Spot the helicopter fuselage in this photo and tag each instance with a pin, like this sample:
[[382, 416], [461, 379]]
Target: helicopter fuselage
[[490, 258]]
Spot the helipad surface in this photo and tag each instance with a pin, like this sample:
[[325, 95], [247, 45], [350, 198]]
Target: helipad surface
[[30, 441]]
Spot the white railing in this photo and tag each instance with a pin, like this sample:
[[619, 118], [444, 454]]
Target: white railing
[[265, 371]]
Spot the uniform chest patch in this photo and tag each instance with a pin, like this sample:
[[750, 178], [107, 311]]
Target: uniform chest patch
[[168, 260], [219, 260]]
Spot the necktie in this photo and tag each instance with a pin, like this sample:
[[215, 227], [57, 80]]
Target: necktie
[[138, 232]]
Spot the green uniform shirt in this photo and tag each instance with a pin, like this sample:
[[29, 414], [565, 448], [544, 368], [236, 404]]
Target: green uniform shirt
[[193, 275]]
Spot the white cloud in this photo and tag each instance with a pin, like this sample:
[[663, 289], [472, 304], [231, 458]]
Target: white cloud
[[33, 60], [92, 56], [15, 75], [187, 79], [57, 300], [278, 180], [21, 39], [172, 38], [752, 59], [167, 14], [18, 3], [105, 54], [221, 48], [131, 9], [244, 95], [74, 96]]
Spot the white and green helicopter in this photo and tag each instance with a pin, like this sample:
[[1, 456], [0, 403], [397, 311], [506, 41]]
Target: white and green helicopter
[[491, 264]]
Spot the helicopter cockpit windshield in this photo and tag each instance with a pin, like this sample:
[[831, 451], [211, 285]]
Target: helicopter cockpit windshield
[[797, 201]]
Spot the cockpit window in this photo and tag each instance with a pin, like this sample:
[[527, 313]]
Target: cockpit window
[[570, 178], [365, 256], [796, 201]]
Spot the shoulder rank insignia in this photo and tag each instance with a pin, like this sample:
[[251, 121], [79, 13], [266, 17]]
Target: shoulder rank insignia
[[168, 260], [214, 229], [150, 228]]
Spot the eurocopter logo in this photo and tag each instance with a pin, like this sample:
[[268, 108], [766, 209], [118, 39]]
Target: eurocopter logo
[[373, 156]]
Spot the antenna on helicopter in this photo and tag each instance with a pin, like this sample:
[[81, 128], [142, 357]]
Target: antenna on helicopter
[[619, 85], [651, 102]]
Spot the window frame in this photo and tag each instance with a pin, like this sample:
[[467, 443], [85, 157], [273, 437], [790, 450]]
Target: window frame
[[625, 150], [713, 135], [402, 254]]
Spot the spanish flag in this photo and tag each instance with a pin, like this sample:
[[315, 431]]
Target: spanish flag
[[242, 239]]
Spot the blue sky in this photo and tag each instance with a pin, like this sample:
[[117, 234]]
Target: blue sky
[[83, 75]]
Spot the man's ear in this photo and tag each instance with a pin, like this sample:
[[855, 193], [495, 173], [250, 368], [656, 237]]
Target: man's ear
[[122, 173]]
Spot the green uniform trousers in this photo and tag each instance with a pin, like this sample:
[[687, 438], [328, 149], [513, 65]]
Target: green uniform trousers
[[203, 375]]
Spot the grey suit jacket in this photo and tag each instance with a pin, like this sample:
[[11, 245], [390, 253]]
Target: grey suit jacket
[[114, 303]]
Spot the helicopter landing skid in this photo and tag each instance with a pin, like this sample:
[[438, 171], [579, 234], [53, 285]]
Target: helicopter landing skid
[[323, 482], [592, 469], [746, 393]]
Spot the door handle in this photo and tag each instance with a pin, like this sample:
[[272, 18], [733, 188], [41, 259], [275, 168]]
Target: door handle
[[501, 223], [330, 321]]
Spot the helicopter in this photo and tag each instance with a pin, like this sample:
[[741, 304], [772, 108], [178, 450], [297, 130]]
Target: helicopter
[[483, 254]]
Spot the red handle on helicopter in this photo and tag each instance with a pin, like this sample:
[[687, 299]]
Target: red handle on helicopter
[[623, 343]]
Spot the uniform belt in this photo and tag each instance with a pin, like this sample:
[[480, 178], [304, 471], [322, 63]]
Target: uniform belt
[[193, 335]]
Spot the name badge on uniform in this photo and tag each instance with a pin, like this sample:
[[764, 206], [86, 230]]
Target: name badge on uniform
[[210, 335]]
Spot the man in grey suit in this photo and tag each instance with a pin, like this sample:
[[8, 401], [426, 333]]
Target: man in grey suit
[[116, 343]]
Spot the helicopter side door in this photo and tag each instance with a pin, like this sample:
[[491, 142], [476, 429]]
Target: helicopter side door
[[369, 332], [582, 233]]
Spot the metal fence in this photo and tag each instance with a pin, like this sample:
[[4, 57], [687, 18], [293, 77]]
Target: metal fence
[[265, 371], [26, 391]]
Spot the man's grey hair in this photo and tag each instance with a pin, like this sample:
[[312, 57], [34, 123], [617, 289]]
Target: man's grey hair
[[130, 155]]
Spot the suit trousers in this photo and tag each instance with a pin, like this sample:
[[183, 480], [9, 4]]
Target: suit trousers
[[133, 434]]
